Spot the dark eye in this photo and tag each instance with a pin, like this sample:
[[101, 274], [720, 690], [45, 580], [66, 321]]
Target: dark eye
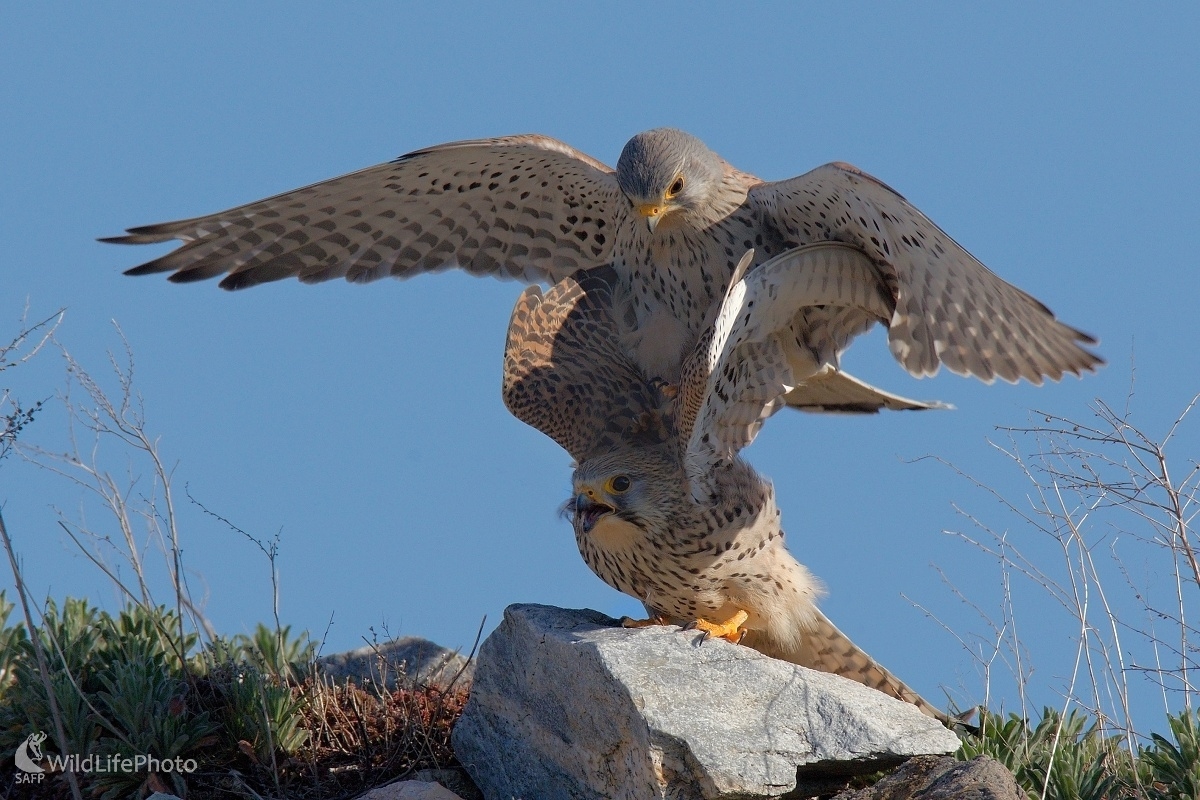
[[676, 187], [620, 484]]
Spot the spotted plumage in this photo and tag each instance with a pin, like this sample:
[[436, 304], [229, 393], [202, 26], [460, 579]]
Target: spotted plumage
[[671, 221], [664, 509]]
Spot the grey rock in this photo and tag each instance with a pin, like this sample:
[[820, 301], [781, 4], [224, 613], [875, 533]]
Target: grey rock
[[455, 779], [409, 659], [566, 704], [943, 778], [411, 790]]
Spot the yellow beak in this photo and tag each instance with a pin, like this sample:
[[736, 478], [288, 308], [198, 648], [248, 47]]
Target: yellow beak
[[653, 212], [588, 509]]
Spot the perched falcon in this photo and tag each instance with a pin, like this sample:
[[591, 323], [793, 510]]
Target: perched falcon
[[672, 221], [664, 509]]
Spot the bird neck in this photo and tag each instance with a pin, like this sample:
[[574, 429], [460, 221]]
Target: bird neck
[[725, 197], [735, 483]]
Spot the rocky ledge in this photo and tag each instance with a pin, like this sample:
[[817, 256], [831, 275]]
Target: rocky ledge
[[567, 704]]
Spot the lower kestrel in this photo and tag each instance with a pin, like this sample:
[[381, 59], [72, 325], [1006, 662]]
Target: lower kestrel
[[664, 509]]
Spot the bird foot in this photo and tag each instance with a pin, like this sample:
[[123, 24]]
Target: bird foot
[[730, 630], [667, 390], [630, 622]]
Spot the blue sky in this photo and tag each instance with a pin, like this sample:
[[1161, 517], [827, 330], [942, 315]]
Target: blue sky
[[364, 424]]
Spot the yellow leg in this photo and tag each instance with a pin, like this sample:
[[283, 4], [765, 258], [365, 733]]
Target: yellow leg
[[730, 630], [630, 622]]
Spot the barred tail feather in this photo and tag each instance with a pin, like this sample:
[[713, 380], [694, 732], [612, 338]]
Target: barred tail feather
[[827, 649]]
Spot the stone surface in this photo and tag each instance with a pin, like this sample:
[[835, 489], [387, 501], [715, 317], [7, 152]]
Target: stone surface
[[405, 660], [567, 704], [943, 778], [411, 790], [455, 779]]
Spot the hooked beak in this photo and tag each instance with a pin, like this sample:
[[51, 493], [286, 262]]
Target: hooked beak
[[588, 512], [653, 212]]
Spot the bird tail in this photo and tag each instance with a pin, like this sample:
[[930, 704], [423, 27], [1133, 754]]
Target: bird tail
[[827, 649]]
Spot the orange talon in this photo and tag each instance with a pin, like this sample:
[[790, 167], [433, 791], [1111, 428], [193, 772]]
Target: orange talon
[[667, 390], [730, 630]]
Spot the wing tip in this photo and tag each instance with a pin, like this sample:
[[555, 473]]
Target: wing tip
[[230, 283], [149, 268], [145, 234], [856, 409]]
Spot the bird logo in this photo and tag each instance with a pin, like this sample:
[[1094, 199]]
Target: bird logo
[[29, 753]]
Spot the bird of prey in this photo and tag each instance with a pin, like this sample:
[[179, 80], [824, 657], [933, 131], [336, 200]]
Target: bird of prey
[[664, 508], [671, 221]]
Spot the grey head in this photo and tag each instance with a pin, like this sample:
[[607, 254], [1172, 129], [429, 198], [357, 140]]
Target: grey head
[[642, 486], [665, 170]]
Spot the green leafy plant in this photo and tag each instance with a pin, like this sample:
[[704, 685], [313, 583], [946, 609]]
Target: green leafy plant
[[1060, 758], [1170, 770], [259, 713], [13, 642], [277, 652], [126, 686], [1070, 758], [143, 711]]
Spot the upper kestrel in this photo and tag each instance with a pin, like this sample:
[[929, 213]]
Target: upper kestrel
[[672, 220]]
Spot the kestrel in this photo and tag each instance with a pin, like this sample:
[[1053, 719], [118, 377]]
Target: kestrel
[[664, 509], [671, 221]]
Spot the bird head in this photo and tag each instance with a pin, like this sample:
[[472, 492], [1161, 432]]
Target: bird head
[[664, 170], [631, 486]]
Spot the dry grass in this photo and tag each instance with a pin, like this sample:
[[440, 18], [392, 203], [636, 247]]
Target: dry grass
[[357, 737], [1101, 550]]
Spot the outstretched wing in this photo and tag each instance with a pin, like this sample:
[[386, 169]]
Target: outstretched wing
[[527, 207], [566, 374], [948, 308], [745, 365]]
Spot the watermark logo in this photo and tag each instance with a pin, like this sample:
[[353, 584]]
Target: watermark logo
[[29, 753], [29, 758]]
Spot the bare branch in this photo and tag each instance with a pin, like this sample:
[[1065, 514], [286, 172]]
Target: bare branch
[[1091, 485]]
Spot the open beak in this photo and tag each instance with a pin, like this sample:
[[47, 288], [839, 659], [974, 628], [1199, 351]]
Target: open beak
[[653, 212], [588, 512]]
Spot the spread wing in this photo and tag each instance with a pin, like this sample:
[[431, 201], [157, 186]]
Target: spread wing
[[745, 365], [526, 207], [948, 308], [566, 374]]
